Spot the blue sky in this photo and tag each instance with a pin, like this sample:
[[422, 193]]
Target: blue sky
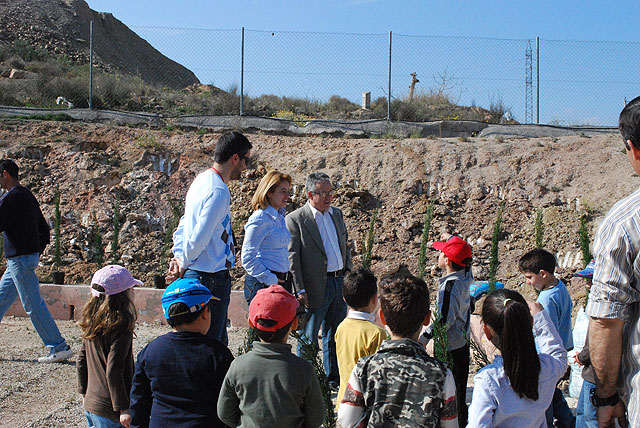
[[577, 78]]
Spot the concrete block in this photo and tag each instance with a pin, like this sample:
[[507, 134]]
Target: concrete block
[[65, 302]]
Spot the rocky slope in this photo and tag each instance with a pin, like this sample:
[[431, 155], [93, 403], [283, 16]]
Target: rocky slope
[[62, 27], [148, 172]]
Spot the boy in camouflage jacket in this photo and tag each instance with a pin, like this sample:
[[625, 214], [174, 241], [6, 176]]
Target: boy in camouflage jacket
[[400, 385]]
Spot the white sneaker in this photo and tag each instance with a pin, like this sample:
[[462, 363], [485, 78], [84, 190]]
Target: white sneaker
[[56, 357]]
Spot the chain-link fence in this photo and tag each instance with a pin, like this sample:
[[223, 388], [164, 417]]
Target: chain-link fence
[[302, 75]]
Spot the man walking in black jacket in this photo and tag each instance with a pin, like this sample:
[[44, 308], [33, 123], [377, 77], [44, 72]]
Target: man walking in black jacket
[[26, 234]]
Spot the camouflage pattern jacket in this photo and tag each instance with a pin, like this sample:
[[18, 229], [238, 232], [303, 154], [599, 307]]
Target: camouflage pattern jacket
[[399, 386]]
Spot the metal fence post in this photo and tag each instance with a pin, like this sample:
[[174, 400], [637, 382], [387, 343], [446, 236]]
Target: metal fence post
[[90, 65], [242, 75], [389, 94], [537, 80]]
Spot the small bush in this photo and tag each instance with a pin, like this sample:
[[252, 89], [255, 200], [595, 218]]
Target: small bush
[[341, 105], [96, 240], [367, 246], [495, 239], [539, 228], [16, 62], [115, 246], [24, 50], [422, 258], [57, 220], [584, 241]]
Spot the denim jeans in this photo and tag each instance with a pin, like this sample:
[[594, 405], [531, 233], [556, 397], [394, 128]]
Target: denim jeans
[[96, 421], [20, 280], [251, 287], [328, 316], [219, 283], [559, 410], [586, 412]]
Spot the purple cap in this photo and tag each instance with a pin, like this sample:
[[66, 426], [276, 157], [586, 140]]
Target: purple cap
[[112, 279]]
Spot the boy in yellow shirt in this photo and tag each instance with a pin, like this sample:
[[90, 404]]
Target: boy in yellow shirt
[[357, 335]]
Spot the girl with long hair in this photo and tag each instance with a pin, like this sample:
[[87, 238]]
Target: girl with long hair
[[105, 362], [517, 388]]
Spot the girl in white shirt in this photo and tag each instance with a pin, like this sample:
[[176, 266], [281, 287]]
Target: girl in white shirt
[[516, 390]]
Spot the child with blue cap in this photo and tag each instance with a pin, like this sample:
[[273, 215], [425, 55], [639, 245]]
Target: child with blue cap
[[586, 410], [178, 375]]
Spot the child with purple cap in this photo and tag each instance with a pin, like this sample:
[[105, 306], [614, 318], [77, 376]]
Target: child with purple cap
[[269, 386], [178, 375], [105, 362]]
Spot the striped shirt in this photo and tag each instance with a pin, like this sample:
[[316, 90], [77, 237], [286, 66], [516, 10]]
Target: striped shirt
[[616, 288]]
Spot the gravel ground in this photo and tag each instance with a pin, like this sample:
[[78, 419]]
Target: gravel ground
[[38, 395]]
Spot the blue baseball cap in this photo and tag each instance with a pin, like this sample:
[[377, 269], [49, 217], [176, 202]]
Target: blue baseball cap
[[188, 291], [588, 271]]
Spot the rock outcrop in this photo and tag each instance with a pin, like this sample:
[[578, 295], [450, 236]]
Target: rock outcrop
[[62, 27]]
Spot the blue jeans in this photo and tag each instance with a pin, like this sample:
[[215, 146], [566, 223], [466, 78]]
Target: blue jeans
[[96, 421], [560, 411], [219, 283], [251, 287], [586, 412], [329, 315], [20, 280]]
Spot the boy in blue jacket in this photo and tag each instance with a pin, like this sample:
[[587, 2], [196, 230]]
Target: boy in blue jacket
[[538, 267], [178, 376]]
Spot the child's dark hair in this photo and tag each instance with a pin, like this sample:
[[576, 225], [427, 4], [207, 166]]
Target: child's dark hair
[[107, 314], [536, 260], [179, 314], [507, 313], [405, 303], [467, 265], [272, 336], [9, 166], [359, 287]]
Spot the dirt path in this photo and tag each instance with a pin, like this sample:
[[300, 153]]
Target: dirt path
[[44, 395]]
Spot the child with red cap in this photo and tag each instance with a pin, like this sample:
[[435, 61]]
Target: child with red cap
[[269, 386], [454, 302]]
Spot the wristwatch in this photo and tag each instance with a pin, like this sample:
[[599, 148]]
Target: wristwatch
[[600, 402]]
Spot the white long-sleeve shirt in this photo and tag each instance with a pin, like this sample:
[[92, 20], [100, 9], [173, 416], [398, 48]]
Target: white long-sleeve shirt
[[199, 240], [496, 404]]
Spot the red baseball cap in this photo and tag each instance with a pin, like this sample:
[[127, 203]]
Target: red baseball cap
[[456, 249], [273, 303]]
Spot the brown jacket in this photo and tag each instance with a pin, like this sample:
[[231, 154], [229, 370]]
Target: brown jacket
[[105, 371]]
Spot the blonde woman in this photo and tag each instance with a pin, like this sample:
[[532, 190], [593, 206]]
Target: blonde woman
[[265, 250]]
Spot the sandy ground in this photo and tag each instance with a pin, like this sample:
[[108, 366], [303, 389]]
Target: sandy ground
[[44, 395]]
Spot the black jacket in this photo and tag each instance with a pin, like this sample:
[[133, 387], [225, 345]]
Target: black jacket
[[25, 229]]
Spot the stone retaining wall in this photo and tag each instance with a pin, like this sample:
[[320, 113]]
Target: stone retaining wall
[[65, 302]]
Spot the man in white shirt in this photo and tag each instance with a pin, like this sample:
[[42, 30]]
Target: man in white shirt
[[203, 244], [319, 257]]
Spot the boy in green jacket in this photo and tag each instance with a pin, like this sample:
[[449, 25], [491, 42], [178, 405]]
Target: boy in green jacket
[[269, 386]]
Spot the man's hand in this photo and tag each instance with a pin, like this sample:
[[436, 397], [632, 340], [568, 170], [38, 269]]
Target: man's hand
[[304, 299], [607, 416], [174, 272], [125, 418]]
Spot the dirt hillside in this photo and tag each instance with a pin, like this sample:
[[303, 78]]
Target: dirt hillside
[[62, 27], [148, 172]]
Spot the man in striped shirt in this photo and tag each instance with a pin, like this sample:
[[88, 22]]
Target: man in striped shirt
[[614, 301]]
